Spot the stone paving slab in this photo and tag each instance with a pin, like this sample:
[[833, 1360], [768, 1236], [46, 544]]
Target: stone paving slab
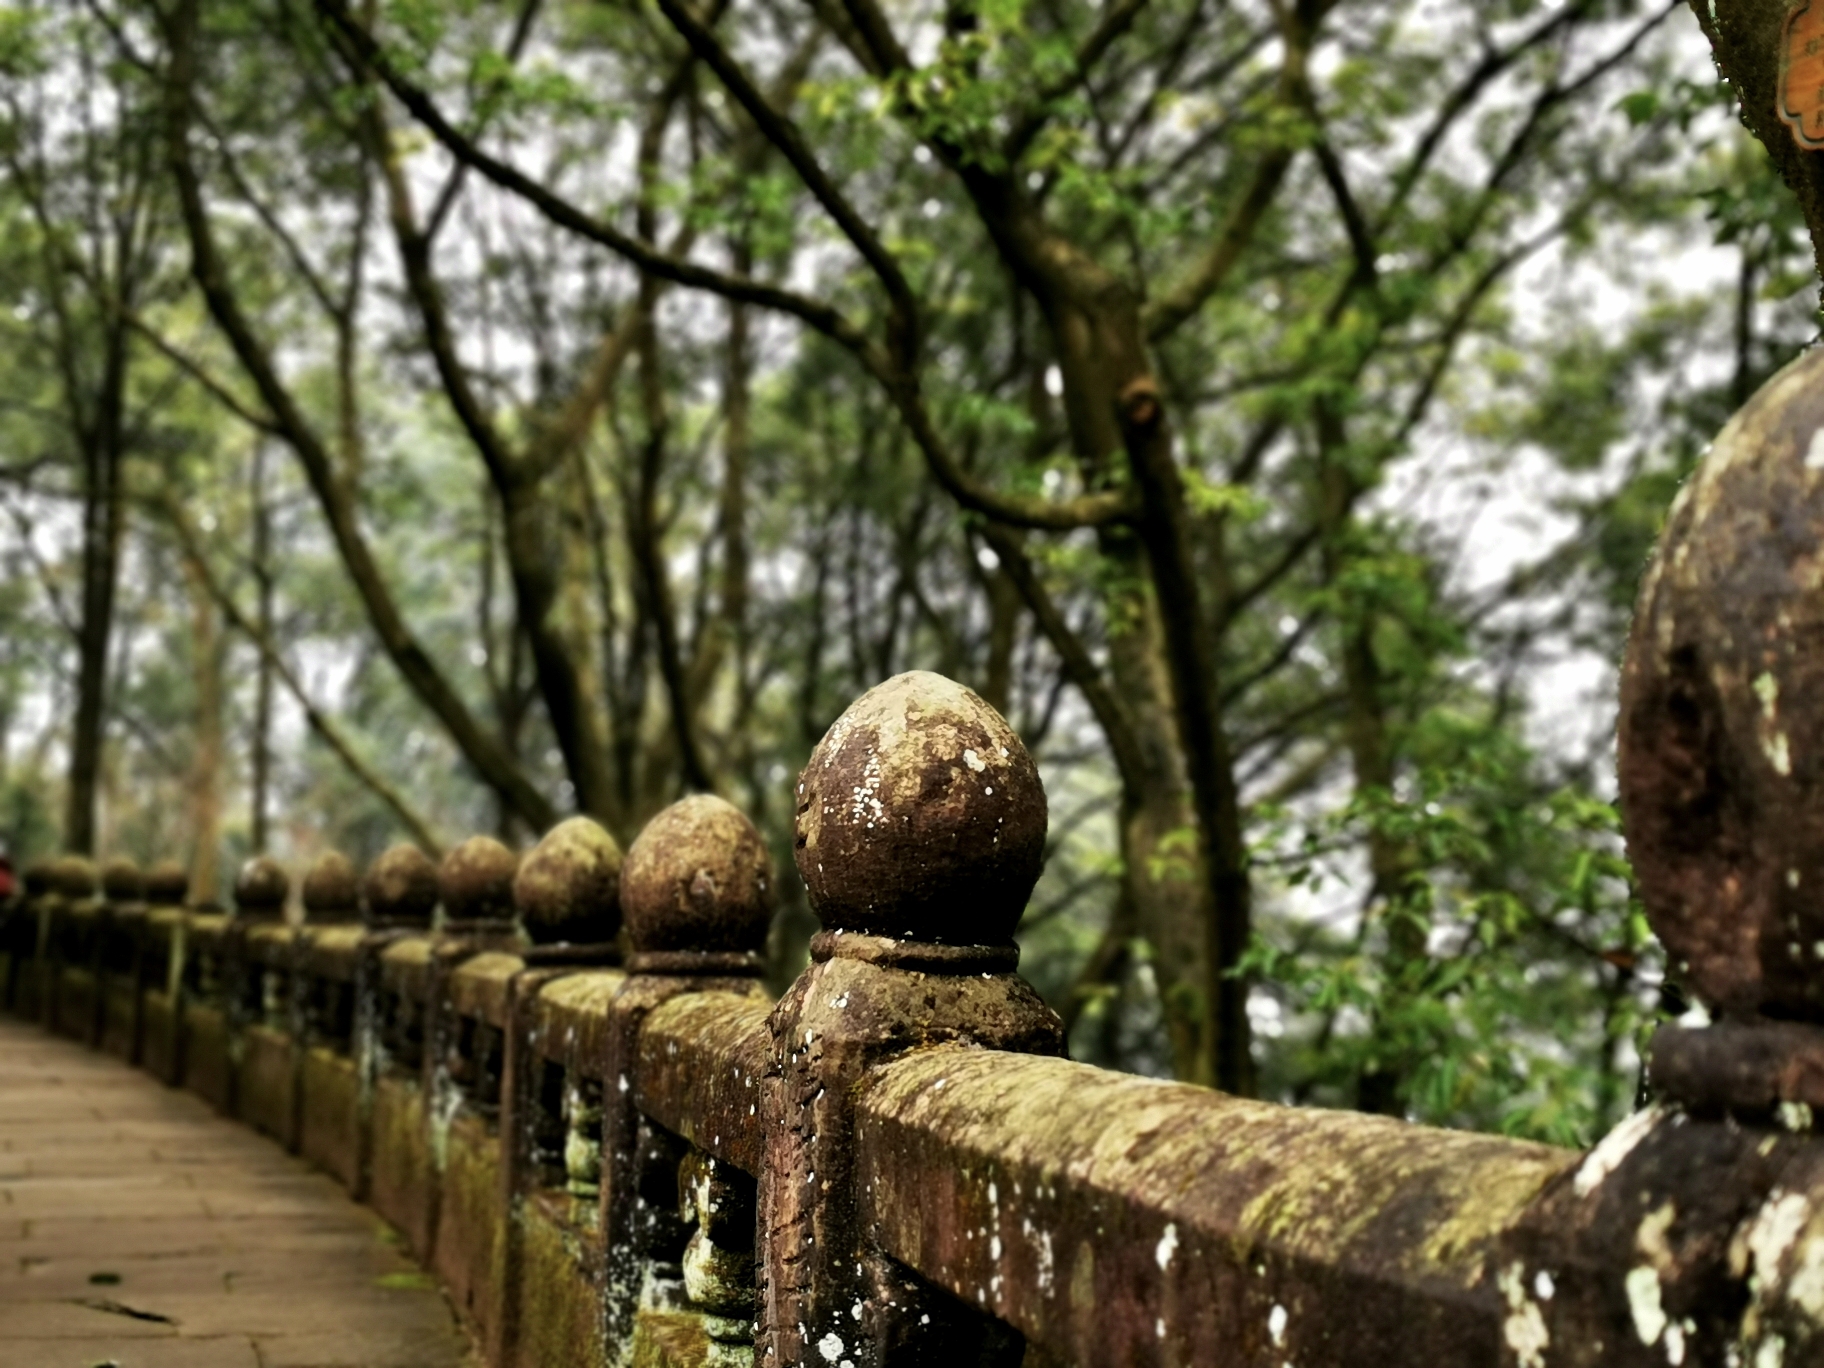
[[140, 1229]]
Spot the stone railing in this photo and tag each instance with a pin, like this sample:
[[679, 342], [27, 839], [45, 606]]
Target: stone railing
[[560, 1078]]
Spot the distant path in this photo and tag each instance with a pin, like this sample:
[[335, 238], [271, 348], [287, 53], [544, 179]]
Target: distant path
[[139, 1228]]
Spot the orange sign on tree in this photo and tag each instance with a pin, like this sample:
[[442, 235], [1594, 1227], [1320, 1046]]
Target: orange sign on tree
[[1802, 73]]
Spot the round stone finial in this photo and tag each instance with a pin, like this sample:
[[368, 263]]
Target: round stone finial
[[698, 880], [260, 888], [167, 884], [568, 888], [73, 876], [401, 887], [1721, 736], [122, 881], [40, 877], [921, 817], [332, 890], [476, 880]]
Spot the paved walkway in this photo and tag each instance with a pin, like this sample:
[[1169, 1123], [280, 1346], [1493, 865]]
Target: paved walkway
[[140, 1229]]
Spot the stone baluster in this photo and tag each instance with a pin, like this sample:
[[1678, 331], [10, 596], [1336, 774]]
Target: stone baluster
[[399, 898], [331, 897], [399, 891], [34, 941], [697, 894], [71, 912], [567, 895], [123, 957], [920, 831], [332, 890], [167, 886], [261, 986], [1712, 1199], [475, 881]]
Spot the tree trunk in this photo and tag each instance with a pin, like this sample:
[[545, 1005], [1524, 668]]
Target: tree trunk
[[1392, 862], [262, 710], [103, 517], [206, 761]]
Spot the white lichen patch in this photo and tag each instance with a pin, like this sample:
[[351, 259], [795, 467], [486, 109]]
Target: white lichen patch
[[1046, 1271], [1649, 1315], [1616, 1146], [1795, 1116], [1523, 1327], [1767, 689], [830, 1346], [1805, 1288], [1776, 1228], [1167, 1246], [1778, 750], [1650, 1237], [974, 761], [864, 799], [1276, 1325]]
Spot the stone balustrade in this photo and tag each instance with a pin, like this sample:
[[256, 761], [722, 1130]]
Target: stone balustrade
[[560, 1078]]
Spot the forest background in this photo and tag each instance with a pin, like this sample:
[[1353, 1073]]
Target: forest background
[[421, 418]]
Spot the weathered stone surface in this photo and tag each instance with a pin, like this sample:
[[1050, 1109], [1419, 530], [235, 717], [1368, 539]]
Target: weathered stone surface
[[400, 888], [260, 888], [40, 876], [921, 816], [1122, 1220], [475, 880], [73, 876], [1721, 742], [698, 879], [332, 891], [122, 881], [703, 1061], [167, 884], [568, 888]]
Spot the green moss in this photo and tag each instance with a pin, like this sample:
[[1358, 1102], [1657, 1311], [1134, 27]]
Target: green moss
[[405, 1282]]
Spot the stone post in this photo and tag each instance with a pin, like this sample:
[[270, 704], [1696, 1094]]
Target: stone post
[[257, 989], [697, 893], [33, 941], [261, 1002], [475, 881], [72, 946], [118, 1014], [567, 895], [920, 831], [331, 897], [398, 898], [1694, 1233], [162, 991]]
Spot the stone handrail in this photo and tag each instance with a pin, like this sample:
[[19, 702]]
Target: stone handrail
[[569, 1092]]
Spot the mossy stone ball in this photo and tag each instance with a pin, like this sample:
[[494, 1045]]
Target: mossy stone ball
[[921, 817], [568, 888]]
